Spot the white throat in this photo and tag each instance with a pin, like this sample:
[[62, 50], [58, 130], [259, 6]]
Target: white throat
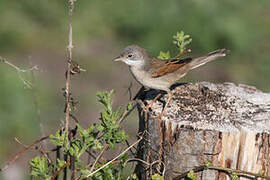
[[137, 64]]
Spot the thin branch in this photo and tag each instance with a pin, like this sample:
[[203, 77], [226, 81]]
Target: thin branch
[[59, 170], [136, 142], [228, 170], [69, 60], [16, 67], [97, 159], [21, 152], [19, 71], [35, 148], [127, 112], [137, 160]]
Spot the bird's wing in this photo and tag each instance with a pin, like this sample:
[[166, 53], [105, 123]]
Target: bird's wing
[[162, 67]]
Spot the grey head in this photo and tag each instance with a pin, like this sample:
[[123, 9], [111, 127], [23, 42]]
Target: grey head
[[133, 55]]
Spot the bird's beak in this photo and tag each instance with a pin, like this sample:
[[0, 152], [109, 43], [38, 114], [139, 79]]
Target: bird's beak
[[119, 59]]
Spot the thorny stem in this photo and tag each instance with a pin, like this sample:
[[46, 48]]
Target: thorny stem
[[69, 59]]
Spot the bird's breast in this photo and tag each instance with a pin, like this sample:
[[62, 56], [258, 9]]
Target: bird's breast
[[145, 78]]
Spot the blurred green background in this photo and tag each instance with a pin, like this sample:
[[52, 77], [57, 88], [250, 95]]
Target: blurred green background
[[34, 32]]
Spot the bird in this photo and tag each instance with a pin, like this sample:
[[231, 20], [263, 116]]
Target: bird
[[159, 74]]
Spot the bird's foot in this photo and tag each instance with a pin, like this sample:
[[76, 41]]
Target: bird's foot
[[148, 106], [159, 116]]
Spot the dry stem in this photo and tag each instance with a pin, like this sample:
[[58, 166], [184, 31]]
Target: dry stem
[[19, 71], [21, 152], [126, 150]]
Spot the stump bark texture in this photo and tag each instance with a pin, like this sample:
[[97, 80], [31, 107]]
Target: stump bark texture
[[224, 125]]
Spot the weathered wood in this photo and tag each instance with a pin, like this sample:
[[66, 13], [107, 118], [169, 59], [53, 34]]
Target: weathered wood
[[224, 124]]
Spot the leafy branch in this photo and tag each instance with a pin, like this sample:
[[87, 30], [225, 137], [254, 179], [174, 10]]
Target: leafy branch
[[181, 40]]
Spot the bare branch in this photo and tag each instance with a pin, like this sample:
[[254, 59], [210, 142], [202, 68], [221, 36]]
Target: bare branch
[[136, 142], [27, 83], [69, 60], [97, 159], [39, 148], [227, 170], [59, 170], [21, 152]]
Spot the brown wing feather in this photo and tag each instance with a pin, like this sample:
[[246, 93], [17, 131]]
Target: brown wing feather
[[160, 68]]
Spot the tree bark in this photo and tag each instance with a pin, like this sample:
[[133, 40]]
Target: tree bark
[[223, 125]]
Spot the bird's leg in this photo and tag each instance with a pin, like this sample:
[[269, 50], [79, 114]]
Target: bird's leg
[[148, 106], [139, 93], [166, 105], [168, 101]]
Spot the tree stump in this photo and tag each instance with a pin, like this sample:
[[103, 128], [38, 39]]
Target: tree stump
[[222, 125]]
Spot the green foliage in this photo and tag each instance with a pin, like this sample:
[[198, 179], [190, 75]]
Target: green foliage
[[157, 177], [235, 176], [40, 168], [112, 171], [181, 40], [261, 172], [59, 164], [164, 55], [191, 174], [58, 139], [208, 163], [132, 177], [109, 125], [90, 136], [129, 106], [94, 138]]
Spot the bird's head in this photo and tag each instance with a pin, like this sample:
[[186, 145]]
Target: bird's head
[[133, 55]]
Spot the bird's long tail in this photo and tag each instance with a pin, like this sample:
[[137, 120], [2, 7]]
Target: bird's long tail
[[209, 57]]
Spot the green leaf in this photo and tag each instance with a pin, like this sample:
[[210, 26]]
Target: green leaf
[[157, 177], [130, 106], [181, 40], [191, 175], [40, 168], [235, 176], [164, 55], [261, 172], [208, 163], [58, 139], [85, 172], [133, 177], [60, 163]]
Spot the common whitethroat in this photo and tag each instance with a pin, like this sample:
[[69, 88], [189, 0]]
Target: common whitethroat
[[161, 74]]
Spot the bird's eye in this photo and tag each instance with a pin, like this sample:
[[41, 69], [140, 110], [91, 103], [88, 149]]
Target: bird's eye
[[130, 55]]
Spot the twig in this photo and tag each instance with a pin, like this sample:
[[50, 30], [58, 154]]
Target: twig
[[136, 159], [69, 60], [59, 170], [16, 67], [19, 71], [35, 148], [158, 162], [65, 168], [228, 170], [133, 153], [97, 159], [136, 142], [72, 159], [127, 112], [21, 152], [58, 156]]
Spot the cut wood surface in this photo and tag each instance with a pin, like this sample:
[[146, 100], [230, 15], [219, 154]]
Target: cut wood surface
[[225, 125]]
